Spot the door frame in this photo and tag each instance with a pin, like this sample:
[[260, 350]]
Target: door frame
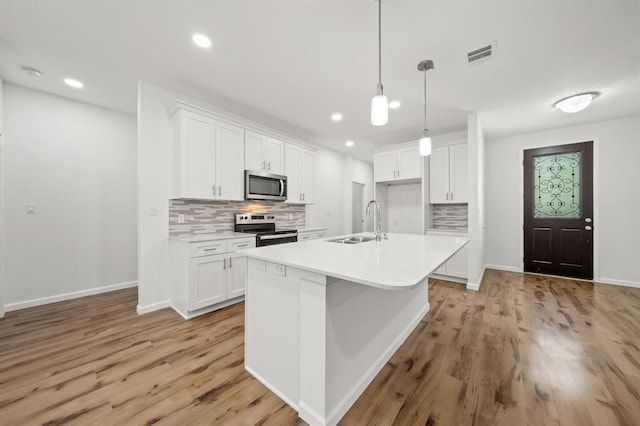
[[596, 195]]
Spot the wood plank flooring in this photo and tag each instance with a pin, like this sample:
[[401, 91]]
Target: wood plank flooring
[[526, 349]]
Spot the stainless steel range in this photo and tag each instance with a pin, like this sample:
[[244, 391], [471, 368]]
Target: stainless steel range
[[264, 226]]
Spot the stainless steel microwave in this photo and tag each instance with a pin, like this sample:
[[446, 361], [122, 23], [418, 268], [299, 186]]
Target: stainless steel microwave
[[264, 186]]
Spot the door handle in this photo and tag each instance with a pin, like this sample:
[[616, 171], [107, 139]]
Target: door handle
[[588, 228]]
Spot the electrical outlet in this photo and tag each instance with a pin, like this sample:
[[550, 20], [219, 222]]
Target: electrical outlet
[[31, 208], [279, 269], [180, 218]]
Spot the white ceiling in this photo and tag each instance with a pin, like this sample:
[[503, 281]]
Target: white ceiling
[[290, 64]]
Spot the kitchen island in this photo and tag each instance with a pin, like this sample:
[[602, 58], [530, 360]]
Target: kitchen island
[[322, 318]]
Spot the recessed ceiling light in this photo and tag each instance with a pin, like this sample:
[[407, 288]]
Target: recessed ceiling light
[[349, 143], [394, 104], [73, 83], [336, 116], [31, 71], [201, 40], [576, 103]]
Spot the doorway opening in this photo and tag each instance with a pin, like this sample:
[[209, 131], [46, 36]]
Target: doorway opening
[[357, 207]]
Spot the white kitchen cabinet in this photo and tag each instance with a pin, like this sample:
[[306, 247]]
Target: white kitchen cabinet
[[448, 174], [456, 267], [263, 153], [207, 275], [312, 234], [207, 157], [299, 168], [397, 164]]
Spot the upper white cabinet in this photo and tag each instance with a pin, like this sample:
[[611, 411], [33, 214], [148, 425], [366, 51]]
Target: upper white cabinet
[[263, 153], [448, 174], [397, 164], [207, 158], [299, 168]]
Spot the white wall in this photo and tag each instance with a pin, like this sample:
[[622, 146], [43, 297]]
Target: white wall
[[2, 278], [404, 209], [77, 162], [476, 173], [616, 196]]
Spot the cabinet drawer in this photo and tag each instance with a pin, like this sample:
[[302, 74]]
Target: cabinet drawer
[[206, 248], [319, 235], [241, 243], [304, 236]]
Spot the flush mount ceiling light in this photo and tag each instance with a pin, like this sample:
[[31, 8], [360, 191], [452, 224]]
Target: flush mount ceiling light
[[76, 84], [425, 141], [576, 103], [201, 40], [394, 104], [336, 116], [379, 103], [349, 143], [31, 71]]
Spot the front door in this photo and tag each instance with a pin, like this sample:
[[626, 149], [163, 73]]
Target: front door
[[558, 210]]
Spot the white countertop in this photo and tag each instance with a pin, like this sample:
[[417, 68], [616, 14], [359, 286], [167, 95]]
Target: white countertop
[[196, 238], [399, 263]]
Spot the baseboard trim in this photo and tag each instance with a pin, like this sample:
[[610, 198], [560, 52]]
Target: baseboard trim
[[272, 388], [153, 307], [68, 296], [503, 268], [623, 283], [350, 398], [476, 286]]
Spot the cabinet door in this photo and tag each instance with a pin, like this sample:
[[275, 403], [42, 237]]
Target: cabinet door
[[458, 182], [306, 175], [274, 156], [384, 166], [409, 163], [292, 171], [305, 236], [439, 175], [197, 156], [457, 265], [253, 151], [207, 281], [236, 275], [230, 162]]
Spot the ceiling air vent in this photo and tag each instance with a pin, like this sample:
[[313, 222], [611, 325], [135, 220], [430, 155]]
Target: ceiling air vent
[[483, 54]]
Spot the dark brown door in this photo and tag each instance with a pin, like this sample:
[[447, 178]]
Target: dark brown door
[[558, 210]]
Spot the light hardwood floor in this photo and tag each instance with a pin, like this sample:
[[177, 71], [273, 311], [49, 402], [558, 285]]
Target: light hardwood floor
[[526, 349]]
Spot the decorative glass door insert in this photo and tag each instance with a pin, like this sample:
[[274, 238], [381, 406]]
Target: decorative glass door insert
[[556, 186]]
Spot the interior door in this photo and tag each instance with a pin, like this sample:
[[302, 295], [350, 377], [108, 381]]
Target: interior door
[[558, 210]]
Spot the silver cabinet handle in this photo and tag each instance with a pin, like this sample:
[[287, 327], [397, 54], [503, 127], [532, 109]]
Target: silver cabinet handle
[[214, 189], [219, 190], [398, 173], [588, 228], [269, 165], [452, 196], [447, 196], [264, 165], [230, 266], [303, 197], [211, 249], [243, 245]]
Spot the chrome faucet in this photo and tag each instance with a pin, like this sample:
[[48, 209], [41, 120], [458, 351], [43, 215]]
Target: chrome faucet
[[378, 232]]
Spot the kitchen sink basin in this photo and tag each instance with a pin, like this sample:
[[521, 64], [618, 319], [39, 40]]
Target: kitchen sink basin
[[355, 239]]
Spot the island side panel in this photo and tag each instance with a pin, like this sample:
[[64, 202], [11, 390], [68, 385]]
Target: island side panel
[[365, 326]]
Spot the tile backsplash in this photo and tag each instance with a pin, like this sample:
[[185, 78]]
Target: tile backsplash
[[206, 217], [450, 216]]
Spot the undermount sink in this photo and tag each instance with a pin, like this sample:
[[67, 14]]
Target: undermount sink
[[354, 239]]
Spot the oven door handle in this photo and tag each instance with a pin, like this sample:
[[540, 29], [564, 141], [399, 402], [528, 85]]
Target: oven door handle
[[281, 187], [273, 237]]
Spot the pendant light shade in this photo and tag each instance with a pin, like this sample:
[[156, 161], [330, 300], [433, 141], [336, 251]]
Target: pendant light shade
[[425, 141], [379, 110], [379, 103], [425, 146]]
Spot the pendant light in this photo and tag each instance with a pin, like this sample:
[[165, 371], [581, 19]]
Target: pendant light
[[379, 103], [425, 141]]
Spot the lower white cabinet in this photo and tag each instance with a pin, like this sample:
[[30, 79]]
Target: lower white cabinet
[[207, 275], [455, 267], [313, 234]]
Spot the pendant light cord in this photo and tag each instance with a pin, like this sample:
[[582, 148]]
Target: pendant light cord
[[380, 46], [425, 99]]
